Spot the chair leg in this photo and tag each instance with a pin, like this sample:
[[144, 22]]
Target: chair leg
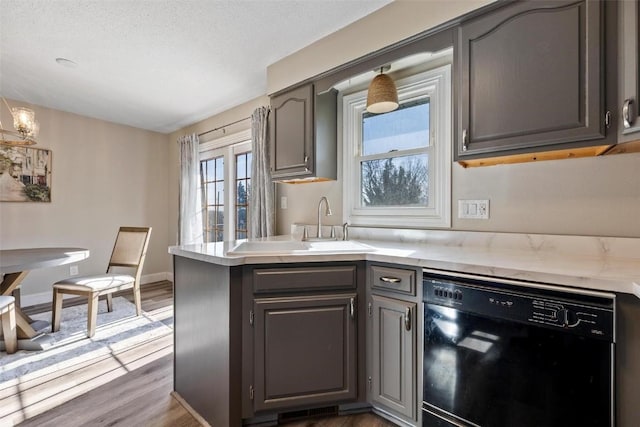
[[109, 303], [9, 330], [57, 310], [137, 299], [92, 314]]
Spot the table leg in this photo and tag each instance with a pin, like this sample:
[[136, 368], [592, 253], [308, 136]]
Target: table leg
[[23, 325], [10, 282]]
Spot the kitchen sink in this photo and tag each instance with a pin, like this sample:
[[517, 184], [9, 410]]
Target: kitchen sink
[[274, 247]]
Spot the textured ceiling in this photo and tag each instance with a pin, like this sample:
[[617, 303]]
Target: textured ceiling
[[156, 64]]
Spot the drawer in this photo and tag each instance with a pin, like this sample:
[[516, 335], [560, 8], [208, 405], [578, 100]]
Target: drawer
[[393, 279], [304, 278]]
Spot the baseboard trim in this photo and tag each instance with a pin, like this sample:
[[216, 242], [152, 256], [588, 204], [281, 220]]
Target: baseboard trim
[[27, 300], [189, 409]]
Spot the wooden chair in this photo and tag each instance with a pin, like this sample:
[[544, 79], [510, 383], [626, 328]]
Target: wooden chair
[[8, 318], [129, 251]]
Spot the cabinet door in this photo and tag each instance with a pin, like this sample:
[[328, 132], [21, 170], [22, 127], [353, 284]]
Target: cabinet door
[[394, 343], [629, 70], [305, 351], [292, 133], [530, 77]]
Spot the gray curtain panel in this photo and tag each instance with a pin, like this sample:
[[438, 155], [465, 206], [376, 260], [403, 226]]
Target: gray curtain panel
[[190, 209], [262, 215]]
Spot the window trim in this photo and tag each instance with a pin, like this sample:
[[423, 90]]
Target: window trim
[[227, 146], [436, 84]]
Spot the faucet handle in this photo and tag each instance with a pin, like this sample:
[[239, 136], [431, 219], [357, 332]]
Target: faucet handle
[[333, 232], [345, 231], [305, 234]]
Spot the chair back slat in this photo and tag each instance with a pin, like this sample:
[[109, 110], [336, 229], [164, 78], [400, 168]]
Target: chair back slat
[[130, 247]]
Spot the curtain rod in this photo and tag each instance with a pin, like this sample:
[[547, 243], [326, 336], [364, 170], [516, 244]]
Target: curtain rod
[[224, 126]]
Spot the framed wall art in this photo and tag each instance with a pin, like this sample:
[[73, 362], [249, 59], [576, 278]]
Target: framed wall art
[[25, 174]]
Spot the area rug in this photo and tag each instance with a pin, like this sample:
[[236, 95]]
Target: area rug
[[115, 331]]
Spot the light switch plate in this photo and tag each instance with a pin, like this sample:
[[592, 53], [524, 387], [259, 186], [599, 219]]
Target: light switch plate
[[283, 202], [473, 209], [73, 270]]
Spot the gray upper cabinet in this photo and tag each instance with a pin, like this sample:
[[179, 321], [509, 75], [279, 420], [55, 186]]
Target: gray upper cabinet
[[531, 79], [292, 133], [629, 54], [303, 134]]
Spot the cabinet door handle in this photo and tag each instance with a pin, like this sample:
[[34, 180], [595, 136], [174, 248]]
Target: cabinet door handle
[[626, 113], [352, 307], [388, 279], [465, 140], [407, 319]]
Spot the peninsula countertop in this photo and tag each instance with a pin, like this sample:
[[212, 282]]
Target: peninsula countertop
[[607, 264]]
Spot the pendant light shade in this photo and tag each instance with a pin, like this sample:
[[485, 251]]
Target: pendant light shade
[[382, 95]]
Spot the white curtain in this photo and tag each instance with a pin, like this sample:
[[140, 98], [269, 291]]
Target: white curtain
[[190, 214], [262, 219]]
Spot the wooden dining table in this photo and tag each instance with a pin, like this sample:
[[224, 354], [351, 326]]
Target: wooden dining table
[[15, 264]]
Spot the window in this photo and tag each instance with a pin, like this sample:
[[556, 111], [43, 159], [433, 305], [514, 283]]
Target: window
[[225, 176], [243, 189], [212, 173], [396, 166]]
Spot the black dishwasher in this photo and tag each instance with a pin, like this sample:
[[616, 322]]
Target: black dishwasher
[[501, 353]]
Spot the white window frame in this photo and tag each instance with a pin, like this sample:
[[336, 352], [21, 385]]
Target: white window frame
[[227, 146], [436, 85]]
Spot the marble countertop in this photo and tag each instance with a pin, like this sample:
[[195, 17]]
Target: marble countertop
[[597, 263]]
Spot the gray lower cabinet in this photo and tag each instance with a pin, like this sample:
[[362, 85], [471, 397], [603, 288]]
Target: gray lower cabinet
[[301, 336], [393, 375], [305, 351], [629, 65], [530, 78]]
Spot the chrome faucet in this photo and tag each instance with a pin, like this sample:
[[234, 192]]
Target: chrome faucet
[[327, 213]]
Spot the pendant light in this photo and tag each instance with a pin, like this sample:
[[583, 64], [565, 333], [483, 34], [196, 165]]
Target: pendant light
[[382, 96]]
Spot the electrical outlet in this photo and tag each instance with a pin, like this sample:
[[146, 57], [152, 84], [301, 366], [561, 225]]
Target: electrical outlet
[[473, 209], [73, 270], [283, 202]]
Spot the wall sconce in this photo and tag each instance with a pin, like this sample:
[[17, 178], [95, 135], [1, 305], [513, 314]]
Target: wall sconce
[[25, 124], [382, 96]]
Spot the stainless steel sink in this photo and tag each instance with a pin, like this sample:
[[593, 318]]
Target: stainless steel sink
[[275, 247]]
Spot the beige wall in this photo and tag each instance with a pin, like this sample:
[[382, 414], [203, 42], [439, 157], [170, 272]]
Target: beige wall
[[394, 22], [104, 175], [593, 196], [597, 196]]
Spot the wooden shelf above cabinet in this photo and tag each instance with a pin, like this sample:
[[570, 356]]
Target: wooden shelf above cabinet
[[570, 153], [627, 147]]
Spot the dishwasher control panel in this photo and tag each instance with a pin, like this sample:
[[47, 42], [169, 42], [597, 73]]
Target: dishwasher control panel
[[571, 312]]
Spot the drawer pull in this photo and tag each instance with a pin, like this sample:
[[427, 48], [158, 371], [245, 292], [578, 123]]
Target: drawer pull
[[407, 319], [627, 118], [352, 308], [387, 279]]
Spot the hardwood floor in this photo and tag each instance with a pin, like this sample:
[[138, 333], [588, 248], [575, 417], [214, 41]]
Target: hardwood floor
[[126, 388]]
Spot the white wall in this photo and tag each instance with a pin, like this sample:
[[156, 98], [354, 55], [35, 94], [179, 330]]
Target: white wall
[[104, 176]]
